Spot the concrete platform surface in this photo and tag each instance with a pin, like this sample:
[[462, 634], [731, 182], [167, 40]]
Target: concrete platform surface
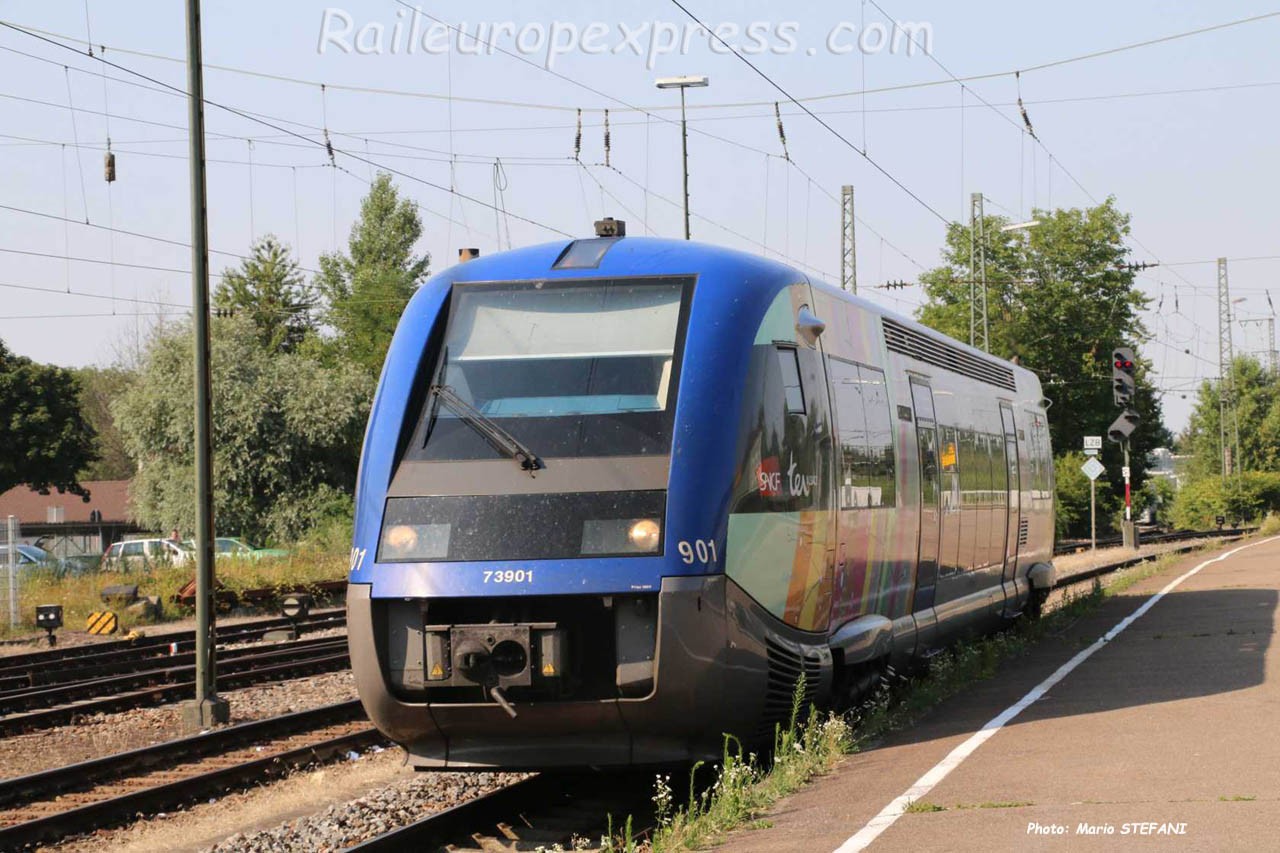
[[1165, 736]]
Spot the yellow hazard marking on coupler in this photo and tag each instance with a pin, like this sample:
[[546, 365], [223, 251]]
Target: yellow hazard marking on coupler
[[437, 671], [102, 622], [548, 669]]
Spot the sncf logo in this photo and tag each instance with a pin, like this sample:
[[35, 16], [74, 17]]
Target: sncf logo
[[772, 483], [769, 478]]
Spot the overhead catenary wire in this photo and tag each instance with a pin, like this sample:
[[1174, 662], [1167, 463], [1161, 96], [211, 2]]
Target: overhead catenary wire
[[862, 152], [598, 92], [250, 117], [75, 135], [124, 231], [527, 128], [647, 119], [991, 75]]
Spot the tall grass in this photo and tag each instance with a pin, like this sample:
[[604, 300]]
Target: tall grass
[[743, 787], [80, 594]]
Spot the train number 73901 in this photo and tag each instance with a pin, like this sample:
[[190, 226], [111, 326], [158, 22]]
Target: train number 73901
[[508, 576]]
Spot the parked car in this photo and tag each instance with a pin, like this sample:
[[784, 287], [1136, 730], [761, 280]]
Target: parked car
[[29, 556], [231, 546], [138, 553]]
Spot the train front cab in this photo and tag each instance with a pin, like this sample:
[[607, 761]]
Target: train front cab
[[788, 489], [618, 650]]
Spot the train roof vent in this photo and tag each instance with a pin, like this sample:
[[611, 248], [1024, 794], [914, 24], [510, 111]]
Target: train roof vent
[[907, 341]]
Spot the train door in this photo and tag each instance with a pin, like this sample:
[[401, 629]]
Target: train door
[[822, 449], [1013, 506], [930, 492]]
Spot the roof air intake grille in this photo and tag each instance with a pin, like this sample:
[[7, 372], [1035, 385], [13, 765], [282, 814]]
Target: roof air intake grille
[[900, 339]]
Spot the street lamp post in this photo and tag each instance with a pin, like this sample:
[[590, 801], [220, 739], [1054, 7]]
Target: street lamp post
[[683, 83]]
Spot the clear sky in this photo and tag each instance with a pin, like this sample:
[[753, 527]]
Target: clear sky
[[1196, 169]]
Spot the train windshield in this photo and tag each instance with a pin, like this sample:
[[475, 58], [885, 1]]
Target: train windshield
[[572, 368]]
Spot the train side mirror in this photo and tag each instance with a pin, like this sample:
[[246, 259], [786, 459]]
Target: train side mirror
[[809, 326]]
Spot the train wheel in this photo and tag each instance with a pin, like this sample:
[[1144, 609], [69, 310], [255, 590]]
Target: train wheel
[[1036, 602], [857, 683]]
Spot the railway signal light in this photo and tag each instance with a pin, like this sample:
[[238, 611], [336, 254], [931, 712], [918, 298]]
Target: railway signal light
[[1123, 426], [1123, 383], [49, 617]]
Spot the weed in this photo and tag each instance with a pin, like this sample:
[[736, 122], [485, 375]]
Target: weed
[[624, 843], [921, 807], [1010, 804], [742, 788], [1237, 798], [79, 594]]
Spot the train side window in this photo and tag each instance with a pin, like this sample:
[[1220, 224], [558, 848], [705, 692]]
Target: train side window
[[875, 396], [855, 467], [789, 363], [949, 451]]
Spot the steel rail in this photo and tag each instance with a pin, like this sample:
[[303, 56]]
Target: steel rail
[[32, 790], [163, 670], [240, 632], [1077, 546], [46, 717], [543, 810], [1129, 562]]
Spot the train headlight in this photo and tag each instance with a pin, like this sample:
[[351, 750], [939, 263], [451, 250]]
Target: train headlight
[[645, 534], [414, 542], [401, 539], [621, 536]]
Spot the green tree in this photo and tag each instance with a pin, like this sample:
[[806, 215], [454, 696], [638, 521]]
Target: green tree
[[366, 290], [1243, 498], [99, 387], [1258, 410], [1058, 300], [46, 441], [286, 433], [269, 289], [1072, 494]]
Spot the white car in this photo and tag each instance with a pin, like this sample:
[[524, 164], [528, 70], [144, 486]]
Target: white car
[[136, 553]]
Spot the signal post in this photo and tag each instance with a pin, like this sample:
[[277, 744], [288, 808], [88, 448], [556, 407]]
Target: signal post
[[1123, 387]]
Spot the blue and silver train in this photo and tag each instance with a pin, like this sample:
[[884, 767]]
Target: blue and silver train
[[618, 495]]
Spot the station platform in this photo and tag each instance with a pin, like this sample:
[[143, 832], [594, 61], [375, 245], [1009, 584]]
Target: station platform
[[1151, 723]]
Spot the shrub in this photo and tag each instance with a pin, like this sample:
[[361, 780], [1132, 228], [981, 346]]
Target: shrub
[[1245, 497]]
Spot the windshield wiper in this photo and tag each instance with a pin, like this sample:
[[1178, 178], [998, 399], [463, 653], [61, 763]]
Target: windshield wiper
[[502, 441]]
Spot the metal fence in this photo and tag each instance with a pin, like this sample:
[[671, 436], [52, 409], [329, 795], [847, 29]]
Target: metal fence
[[9, 569]]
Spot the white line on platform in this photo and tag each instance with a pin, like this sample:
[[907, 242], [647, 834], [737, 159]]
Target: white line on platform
[[890, 813]]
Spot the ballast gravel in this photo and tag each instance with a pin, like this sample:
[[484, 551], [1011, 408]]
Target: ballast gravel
[[103, 734], [380, 811]]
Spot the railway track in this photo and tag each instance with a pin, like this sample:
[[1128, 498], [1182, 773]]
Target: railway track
[[102, 792], [34, 665], [1129, 562], [1075, 546], [50, 706], [538, 812]]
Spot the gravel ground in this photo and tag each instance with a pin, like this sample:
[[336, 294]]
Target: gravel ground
[[104, 734], [323, 809], [340, 631], [381, 810], [1069, 564]]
